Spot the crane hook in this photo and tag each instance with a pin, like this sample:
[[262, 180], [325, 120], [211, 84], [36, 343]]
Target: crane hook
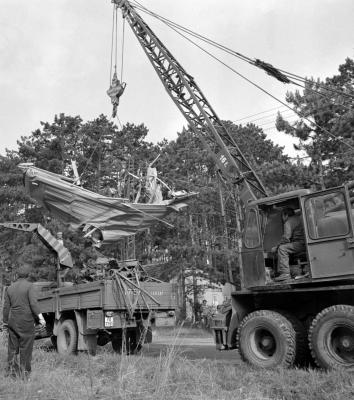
[[115, 91]]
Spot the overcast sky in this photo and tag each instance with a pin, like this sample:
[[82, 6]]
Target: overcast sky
[[55, 58]]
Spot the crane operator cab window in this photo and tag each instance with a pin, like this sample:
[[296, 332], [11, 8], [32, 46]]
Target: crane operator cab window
[[252, 239], [327, 216]]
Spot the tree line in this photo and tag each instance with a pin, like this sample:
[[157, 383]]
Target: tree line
[[204, 239]]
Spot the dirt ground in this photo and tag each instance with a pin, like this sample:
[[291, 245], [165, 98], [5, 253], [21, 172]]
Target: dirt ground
[[193, 348], [194, 345]]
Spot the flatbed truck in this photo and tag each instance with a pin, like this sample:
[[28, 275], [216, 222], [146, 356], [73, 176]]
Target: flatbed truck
[[118, 307]]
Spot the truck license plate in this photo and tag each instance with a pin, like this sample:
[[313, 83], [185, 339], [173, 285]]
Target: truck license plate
[[108, 321]]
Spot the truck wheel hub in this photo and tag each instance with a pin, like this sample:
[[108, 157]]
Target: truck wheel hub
[[267, 342], [346, 343]]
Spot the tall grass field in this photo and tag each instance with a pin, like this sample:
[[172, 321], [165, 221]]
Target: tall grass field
[[110, 376]]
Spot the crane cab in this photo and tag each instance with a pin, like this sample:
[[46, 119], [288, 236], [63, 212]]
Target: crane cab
[[327, 218]]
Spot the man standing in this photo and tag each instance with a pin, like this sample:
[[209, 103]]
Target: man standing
[[20, 313], [292, 242], [204, 313]]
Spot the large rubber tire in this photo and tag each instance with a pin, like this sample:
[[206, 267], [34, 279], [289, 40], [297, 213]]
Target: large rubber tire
[[267, 339], [53, 340], [148, 336], [103, 338], [67, 336], [91, 343], [133, 343], [117, 341], [303, 356], [143, 335], [331, 337], [126, 341]]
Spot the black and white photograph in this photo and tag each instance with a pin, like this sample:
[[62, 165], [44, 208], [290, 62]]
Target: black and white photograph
[[177, 200]]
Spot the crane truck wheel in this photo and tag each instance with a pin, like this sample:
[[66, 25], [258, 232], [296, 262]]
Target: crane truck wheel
[[267, 339], [331, 337], [67, 337], [148, 337], [303, 356], [117, 342], [53, 340], [126, 342], [133, 342]]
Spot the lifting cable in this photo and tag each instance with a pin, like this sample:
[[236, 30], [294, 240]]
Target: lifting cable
[[113, 44], [259, 113], [265, 91], [112, 71], [123, 45], [116, 87], [271, 70], [177, 29], [91, 155], [281, 75], [305, 80]]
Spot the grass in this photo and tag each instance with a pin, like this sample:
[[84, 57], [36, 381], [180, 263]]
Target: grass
[[109, 376]]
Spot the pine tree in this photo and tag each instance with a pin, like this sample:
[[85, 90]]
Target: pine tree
[[325, 130]]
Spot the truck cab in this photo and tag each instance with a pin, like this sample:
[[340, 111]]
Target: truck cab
[[327, 218]]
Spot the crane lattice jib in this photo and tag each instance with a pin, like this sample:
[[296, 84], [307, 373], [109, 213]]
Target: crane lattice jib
[[46, 238], [190, 100]]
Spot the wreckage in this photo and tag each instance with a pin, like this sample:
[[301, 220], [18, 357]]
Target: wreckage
[[116, 300], [103, 219]]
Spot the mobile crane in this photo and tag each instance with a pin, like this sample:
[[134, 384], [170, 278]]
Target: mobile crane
[[271, 324]]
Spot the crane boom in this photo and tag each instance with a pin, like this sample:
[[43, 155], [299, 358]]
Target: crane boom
[[52, 243], [192, 103]]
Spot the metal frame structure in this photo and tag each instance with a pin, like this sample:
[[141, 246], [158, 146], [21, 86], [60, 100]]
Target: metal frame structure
[[51, 242]]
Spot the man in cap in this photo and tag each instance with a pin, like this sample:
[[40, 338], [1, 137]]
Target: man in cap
[[292, 242], [20, 313]]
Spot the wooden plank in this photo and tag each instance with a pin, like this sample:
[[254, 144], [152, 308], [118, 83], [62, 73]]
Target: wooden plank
[[91, 299], [47, 304], [293, 289], [107, 295], [164, 293]]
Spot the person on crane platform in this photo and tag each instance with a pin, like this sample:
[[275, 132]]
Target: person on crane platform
[[115, 91], [292, 242]]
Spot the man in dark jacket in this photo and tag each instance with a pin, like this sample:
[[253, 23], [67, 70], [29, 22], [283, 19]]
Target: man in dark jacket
[[20, 313], [292, 242]]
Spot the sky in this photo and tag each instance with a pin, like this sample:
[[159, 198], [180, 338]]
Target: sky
[[55, 58]]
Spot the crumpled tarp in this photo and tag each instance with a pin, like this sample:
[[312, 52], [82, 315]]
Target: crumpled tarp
[[80, 208]]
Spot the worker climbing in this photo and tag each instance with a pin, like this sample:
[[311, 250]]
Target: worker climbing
[[117, 86], [115, 91]]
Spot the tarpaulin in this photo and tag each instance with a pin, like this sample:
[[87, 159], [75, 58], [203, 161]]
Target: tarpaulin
[[80, 208]]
